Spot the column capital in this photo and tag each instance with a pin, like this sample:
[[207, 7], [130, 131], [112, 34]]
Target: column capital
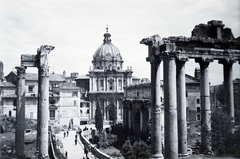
[[153, 43], [204, 61], [21, 71], [181, 59], [42, 54], [227, 61]]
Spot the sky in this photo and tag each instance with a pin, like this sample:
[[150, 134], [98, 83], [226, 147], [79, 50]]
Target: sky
[[76, 27]]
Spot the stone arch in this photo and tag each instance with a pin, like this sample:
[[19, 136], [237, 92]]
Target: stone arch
[[137, 125]]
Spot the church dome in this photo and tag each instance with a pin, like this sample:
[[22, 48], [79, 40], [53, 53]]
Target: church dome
[[107, 55]]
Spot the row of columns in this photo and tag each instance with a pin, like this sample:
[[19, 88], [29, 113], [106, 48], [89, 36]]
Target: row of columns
[[43, 105], [175, 104], [117, 84]]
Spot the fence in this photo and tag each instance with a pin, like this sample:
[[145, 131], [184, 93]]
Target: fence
[[92, 148]]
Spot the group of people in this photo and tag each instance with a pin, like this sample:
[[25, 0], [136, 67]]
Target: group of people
[[64, 134]]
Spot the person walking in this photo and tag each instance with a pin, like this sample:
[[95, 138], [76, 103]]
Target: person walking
[[64, 134], [66, 154], [67, 133], [75, 141]]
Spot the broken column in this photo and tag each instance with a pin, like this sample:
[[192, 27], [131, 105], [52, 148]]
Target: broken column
[[170, 103], [228, 87], [20, 112], [154, 59], [206, 146], [43, 110], [181, 107]]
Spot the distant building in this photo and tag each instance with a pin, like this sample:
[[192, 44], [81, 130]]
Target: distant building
[[137, 106], [8, 98], [103, 86], [66, 106]]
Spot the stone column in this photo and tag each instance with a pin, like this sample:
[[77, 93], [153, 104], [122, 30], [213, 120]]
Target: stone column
[[90, 83], [104, 83], [170, 110], [94, 84], [117, 84], [206, 146], [181, 107], [156, 113], [43, 110], [20, 112], [228, 87]]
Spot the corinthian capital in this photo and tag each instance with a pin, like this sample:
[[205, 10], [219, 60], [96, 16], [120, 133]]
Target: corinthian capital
[[21, 71], [43, 52]]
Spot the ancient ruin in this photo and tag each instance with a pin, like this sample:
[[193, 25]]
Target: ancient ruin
[[208, 42], [41, 62]]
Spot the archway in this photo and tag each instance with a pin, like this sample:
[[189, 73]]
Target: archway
[[137, 129]]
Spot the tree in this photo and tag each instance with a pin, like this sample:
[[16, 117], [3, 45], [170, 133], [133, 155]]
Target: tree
[[223, 141], [98, 118]]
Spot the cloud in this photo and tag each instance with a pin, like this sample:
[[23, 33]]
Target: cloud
[[76, 28]]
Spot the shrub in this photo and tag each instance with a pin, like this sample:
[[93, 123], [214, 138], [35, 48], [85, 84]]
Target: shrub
[[139, 150]]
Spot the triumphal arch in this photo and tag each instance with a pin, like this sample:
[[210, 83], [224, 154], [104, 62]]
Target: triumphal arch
[[208, 42]]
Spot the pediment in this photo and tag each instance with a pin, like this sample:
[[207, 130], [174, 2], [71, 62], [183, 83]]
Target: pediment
[[191, 79]]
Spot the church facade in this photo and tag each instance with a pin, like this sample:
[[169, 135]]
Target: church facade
[[106, 81]]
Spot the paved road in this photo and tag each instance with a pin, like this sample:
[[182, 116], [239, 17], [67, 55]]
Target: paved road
[[74, 151]]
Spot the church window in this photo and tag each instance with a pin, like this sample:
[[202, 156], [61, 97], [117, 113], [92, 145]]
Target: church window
[[198, 109], [52, 114], [198, 117], [31, 115], [87, 111], [14, 102], [74, 93], [120, 84], [101, 84], [30, 88], [74, 102], [198, 101]]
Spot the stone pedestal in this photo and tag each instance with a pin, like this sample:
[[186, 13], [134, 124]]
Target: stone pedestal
[[20, 112]]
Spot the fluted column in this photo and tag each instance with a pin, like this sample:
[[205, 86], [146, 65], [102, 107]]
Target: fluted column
[[43, 110], [206, 145], [156, 113], [170, 110], [181, 107], [20, 112], [228, 87]]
